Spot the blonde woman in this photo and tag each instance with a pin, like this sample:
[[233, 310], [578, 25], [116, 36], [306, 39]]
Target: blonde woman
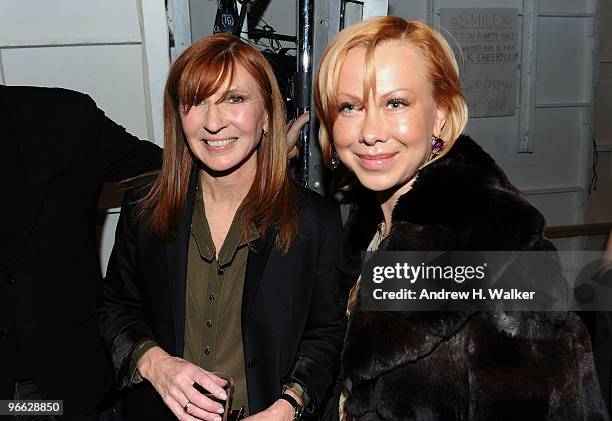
[[391, 109]]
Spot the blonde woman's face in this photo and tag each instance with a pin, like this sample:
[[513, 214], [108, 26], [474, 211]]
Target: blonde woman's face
[[385, 140]]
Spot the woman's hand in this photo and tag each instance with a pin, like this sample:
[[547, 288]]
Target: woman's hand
[[173, 378], [293, 133], [281, 410]]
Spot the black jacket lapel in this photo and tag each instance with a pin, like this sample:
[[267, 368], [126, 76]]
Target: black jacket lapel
[[176, 255], [256, 262]]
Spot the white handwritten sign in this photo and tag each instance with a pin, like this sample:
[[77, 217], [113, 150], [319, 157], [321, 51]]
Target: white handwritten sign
[[485, 43]]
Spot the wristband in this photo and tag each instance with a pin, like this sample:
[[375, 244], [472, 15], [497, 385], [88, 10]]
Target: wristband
[[298, 410]]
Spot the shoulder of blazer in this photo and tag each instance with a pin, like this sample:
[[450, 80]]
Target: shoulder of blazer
[[314, 206], [135, 190], [138, 187], [34, 97], [52, 111]]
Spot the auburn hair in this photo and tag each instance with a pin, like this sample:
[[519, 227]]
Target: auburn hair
[[199, 72], [440, 62]]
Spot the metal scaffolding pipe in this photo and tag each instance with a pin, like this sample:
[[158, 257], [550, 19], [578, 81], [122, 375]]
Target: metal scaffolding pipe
[[303, 80]]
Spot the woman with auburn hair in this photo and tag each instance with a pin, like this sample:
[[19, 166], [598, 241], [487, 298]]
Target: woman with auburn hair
[[391, 108], [221, 262]]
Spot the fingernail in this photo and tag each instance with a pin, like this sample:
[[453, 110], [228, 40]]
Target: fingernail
[[220, 411], [223, 396]]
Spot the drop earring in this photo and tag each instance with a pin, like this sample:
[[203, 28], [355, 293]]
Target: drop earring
[[437, 146], [334, 160]]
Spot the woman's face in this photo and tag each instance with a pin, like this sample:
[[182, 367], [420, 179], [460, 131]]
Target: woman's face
[[385, 140], [225, 135]]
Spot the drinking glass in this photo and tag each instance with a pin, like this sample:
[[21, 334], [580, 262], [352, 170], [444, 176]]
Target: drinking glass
[[229, 390]]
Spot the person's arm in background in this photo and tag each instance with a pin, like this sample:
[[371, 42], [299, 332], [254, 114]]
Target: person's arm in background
[[117, 154], [293, 134]]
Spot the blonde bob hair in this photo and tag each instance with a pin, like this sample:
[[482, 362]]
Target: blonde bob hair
[[439, 60]]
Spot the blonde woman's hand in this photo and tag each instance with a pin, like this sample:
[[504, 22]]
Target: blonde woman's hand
[[293, 133], [173, 378]]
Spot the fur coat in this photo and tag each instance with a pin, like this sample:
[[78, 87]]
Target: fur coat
[[462, 365]]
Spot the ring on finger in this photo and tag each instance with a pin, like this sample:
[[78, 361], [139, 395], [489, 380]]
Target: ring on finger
[[186, 407]]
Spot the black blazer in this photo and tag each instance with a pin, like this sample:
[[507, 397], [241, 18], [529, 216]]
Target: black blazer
[[50, 291], [292, 327]]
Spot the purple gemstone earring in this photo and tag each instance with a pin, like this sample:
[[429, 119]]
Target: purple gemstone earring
[[437, 146]]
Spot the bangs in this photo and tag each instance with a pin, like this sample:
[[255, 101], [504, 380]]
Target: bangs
[[203, 77], [369, 79]]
